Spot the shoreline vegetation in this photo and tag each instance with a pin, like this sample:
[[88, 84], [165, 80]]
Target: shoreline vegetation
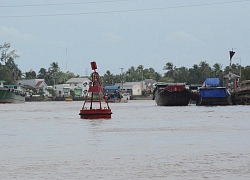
[[10, 73]]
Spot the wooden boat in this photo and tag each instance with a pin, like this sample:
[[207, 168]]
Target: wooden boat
[[210, 94], [241, 95], [11, 93], [172, 94]]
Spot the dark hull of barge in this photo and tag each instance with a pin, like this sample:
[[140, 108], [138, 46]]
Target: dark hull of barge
[[172, 95]]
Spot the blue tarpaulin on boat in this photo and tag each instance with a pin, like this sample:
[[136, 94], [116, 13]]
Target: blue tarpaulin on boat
[[111, 88], [213, 93], [212, 82]]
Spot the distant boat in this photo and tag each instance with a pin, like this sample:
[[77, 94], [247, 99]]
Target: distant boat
[[68, 99], [125, 97], [113, 94], [210, 94], [113, 97], [11, 93], [241, 95], [172, 94]]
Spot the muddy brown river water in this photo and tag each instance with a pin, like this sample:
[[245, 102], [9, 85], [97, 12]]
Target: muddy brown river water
[[48, 140]]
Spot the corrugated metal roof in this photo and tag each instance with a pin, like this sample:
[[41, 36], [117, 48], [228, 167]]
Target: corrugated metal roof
[[77, 80]]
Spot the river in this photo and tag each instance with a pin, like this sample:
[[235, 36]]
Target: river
[[48, 140]]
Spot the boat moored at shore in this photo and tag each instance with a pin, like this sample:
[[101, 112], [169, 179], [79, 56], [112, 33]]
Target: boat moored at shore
[[172, 94], [210, 94], [11, 93]]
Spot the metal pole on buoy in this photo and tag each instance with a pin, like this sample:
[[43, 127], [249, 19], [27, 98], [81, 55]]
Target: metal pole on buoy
[[98, 108], [231, 53]]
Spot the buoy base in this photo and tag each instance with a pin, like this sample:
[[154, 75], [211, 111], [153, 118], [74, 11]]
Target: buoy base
[[95, 113]]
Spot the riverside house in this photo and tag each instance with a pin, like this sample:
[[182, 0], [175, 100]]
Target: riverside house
[[35, 86], [134, 88], [80, 86]]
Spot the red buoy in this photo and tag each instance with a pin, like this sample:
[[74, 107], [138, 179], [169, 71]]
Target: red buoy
[[98, 107]]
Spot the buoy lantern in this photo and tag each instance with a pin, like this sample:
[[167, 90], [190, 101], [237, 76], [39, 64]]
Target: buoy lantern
[[98, 105]]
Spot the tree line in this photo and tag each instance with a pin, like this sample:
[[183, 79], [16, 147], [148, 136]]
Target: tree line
[[10, 73], [194, 75]]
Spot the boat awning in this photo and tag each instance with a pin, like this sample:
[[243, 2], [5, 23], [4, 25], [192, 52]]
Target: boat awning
[[212, 82]]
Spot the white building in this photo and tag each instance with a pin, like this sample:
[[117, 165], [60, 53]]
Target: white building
[[79, 83], [134, 88], [62, 90], [35, 86]]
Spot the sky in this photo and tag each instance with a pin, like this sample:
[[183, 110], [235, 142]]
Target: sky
[[118, 34]]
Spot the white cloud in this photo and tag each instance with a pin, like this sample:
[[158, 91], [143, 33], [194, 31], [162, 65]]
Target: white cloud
[[182, 38], [111, 37], [11, 34]]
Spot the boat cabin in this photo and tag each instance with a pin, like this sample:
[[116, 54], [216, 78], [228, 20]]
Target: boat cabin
[[113, 92]]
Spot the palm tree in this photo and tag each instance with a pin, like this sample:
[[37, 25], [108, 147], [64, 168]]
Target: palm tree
[[217, 69], [194, 74], [205, 70], [170, 70], [42, 73], [107, 78], [54, 68], [53, 71]]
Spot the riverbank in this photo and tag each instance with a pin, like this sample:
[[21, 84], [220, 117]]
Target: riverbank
[[41, 98]]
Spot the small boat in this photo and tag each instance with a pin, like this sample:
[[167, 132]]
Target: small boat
[[241, 95], [113, 97], [172, 94], [11, 93], [210, 94], [68, 99], [125, 97], [113, 94]]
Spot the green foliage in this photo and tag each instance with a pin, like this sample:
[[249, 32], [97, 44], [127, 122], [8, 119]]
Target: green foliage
[[51, 76], [52, 92], [194, 75], [30, 75], [198, 73], [245, 73], [42, 73], [107, 79], [6, 75], [7, 58], [10, 72], [131, 75]]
